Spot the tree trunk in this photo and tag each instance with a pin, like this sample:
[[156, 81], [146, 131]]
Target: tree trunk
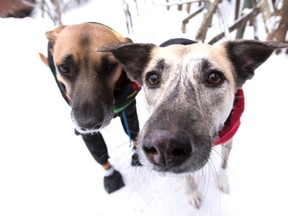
[[201, 34], [237, 9], [241, 29], [279, 24], [265, 12]]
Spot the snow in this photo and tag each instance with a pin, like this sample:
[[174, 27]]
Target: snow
[[46, 170]]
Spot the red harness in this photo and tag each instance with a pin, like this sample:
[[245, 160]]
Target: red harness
[[233, 122]]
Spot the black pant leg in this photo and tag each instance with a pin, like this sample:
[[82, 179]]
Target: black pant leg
[[97, 147], [131, 119]]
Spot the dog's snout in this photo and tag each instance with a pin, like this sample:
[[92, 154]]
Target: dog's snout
[[165, 149], [88, 123], [90, 117], [92, 127]]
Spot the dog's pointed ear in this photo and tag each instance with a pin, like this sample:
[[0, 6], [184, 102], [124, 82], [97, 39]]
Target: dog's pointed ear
[[247, 55], [133, 58], [52, 35]]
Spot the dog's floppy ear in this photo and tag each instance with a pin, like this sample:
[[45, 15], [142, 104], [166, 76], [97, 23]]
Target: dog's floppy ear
[[43, 58], [247, 55], [133, 58], [126, 40], [52, 35]]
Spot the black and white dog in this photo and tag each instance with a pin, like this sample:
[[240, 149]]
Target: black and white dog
[[195, 99]]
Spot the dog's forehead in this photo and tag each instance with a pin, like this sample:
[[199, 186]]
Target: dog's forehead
[[191, 55], [95, 33], [84, 38], [182, 53]]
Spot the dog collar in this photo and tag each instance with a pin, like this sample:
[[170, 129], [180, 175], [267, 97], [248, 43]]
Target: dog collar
[[233, 122], [124, 100]]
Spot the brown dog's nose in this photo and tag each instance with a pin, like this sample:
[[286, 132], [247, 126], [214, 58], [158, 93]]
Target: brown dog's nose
[[92, 127], [166, 149], [87, 119], [89, 122]]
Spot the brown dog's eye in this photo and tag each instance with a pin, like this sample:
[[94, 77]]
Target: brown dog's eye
[[112, 66], [64, 69], [152, 79], [215, 78]]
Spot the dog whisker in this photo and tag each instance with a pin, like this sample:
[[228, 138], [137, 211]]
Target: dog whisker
[[224, 160], [202, 180], [227, 147]]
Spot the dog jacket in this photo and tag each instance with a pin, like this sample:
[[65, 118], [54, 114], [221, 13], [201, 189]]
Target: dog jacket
[[127, 96]]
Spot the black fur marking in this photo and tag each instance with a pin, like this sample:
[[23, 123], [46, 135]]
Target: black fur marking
[[161, 65], [68, 59], [85, 41], [106, 66], [202, 70], [205, 65], [53, 70]]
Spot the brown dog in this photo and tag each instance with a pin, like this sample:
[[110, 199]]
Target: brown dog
[[95, 86]]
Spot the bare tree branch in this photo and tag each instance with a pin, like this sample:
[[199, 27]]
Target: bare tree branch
[[186, 20], [201, 34], [237, 24]]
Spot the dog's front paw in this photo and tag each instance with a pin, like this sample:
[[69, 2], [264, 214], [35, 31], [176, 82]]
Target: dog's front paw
[[194, 197], [223, 182], [195, 200], [113, 182]]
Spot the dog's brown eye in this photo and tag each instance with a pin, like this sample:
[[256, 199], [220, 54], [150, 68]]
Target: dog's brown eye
[[112, 66], [215, 78], [152, 79], [64, 69]]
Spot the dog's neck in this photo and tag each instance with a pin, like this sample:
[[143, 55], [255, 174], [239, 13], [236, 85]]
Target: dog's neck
[[233, 122], [125, 92]]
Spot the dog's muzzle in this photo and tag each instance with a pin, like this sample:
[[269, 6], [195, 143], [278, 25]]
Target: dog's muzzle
[[89, 121]]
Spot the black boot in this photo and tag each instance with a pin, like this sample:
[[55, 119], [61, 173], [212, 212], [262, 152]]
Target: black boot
[[113, 182]]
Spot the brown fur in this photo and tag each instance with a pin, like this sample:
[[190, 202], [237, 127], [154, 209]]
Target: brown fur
[[73, 46]]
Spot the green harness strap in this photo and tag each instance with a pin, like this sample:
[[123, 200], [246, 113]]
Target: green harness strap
[[129, 94]]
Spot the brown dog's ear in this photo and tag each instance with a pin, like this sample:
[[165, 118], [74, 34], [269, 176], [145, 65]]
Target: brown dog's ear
[[52, 35], [247, 55], [43, 58], [126, 40], [133, 58]]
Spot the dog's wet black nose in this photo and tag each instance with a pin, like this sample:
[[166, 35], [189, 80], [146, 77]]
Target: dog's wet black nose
[[166, 149]]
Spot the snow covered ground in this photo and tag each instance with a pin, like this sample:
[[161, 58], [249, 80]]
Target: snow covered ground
[[46, 170]]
